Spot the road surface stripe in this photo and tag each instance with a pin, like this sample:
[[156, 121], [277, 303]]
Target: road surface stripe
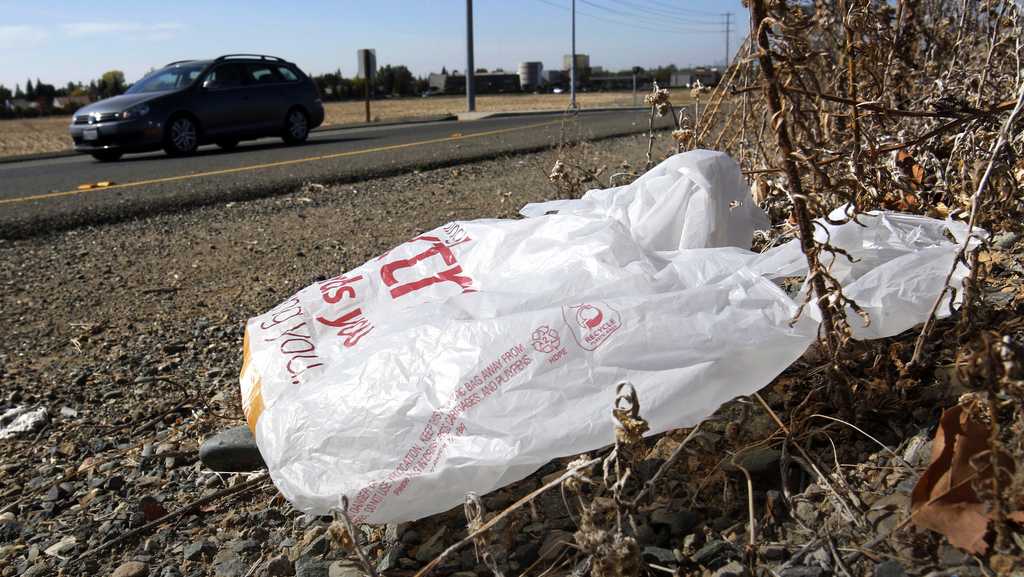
[[278, 163]]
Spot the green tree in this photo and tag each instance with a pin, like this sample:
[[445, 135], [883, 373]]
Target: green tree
[[17, 91], [30, 91], [111, 83]]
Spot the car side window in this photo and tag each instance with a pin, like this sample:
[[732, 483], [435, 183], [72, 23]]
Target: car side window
[[225, 76], [262, 74], [287, 74]]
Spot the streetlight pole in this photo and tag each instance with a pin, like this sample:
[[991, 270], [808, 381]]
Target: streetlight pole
[[572, 66], [470, 85]]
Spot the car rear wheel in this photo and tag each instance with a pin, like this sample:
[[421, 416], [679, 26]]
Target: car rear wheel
[[296, 127], [228, 144], [107, 155], [181, 137]]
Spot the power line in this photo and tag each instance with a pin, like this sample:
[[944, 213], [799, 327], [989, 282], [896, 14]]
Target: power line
[[630, 25], [674, 8], [641, 12], [662, 13]]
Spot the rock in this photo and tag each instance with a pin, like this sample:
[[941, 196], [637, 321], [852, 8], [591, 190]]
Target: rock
[[802, 571], [527, 553], [660, 555], [151, 509], [61, 547], [68, 412], [131, 569], [243, 546], [678, 522], [806, 513], [432, 548], [411, 537], [228, 563], [773, 552], [710, 552], [1005, 240], [18, 421], [760, 461], [280, 566], [732, 569], [56, 493], [345, 569], [199, 550], [9, 528], [950, 556], [307, 566], [170, 571], [115, 483], [271, 517], [890, 568], [232, 451]]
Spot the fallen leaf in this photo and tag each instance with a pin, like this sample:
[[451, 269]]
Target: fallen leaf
[[944, 499]]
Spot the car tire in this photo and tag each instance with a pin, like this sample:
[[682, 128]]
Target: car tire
[[107, 155], [296, 127], [181, 136], [228, 144]]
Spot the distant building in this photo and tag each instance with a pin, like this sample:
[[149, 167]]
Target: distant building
[[618, 82], [530, 75], [361, 55], [554, 77], [485, 83], [20, 104], [582, 62], [688, 78], [65, 102]]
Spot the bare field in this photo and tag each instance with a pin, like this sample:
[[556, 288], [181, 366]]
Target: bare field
[[37, 135]]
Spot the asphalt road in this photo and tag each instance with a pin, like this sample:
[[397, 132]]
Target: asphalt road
[[40, 196]]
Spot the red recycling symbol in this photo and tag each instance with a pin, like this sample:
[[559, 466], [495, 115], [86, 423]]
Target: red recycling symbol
[[545, 339]]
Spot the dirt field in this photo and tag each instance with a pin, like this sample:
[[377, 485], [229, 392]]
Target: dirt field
[[35, 135]]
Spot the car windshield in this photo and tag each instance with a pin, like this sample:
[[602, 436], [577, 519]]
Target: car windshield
[[170, 78]]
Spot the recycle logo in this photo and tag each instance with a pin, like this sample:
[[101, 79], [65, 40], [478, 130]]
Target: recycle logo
[[545, 339]]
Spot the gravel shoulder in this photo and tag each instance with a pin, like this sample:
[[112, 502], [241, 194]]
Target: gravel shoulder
[[129, 335]]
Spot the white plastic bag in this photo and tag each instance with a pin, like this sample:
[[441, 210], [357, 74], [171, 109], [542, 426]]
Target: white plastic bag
[[468, 357]]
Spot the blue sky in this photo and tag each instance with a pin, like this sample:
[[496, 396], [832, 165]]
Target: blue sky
[[79, 40]]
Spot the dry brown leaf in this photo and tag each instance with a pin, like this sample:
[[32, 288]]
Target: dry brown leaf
[[944, 499]]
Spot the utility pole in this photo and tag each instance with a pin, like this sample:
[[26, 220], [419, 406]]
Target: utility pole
[[572, 66], [728, 30], [470, 84]]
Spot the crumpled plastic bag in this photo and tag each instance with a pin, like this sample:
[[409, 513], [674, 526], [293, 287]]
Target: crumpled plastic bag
[[468, 357]]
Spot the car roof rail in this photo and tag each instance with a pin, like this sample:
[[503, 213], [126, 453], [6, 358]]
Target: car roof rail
[[251, 56], [178, 62]]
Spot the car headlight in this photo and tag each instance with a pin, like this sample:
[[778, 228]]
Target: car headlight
[[137, 111]]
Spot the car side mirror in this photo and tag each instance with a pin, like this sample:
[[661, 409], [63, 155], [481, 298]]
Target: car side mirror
[[206, 84]]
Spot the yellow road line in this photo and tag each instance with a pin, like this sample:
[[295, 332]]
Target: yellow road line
[[278, 163]]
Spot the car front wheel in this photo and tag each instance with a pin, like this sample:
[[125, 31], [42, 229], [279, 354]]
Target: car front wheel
[[296, 127], [182, 136]]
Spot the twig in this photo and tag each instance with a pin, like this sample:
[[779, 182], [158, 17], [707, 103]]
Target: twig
[[354, 535], [243, 486], [1004, 133], [803, 453], [494, 520], [760, 23]]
